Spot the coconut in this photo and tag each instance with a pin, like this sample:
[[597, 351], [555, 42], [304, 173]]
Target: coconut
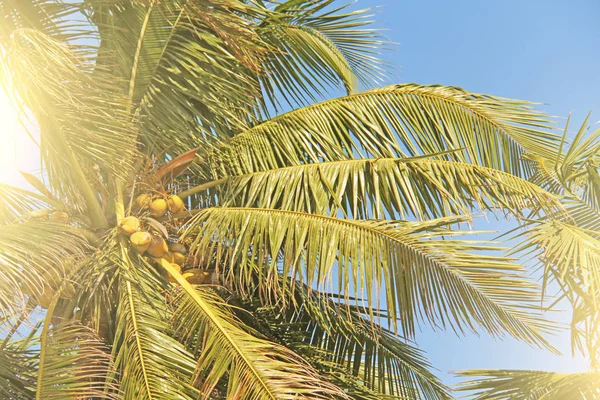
[[171, 278], [45, 298], [178, 248], [175, 204], [141, 241], [196, 276], [143, 201], [178, 258], [158, 208], [59, 216], [158, 247], [129, 225]]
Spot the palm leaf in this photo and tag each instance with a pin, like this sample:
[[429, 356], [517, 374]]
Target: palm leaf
[[342, 343], [153, 365], [391, 122], [76, 364], [25, 258], [442, 281], [530, 385], [317, 47], [257, 369], [402, 187]]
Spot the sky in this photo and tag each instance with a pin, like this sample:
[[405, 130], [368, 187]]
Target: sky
[[539, 50]]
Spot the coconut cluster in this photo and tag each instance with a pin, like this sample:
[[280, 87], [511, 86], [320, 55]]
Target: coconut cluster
[[156, 247], [159, 206]]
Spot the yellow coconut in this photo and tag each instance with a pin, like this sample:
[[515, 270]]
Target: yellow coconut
[[129, 225], [178, 258], [171, 278], [45, 298], [141, 241], [175, 204], [143, 201], [196, 276], [178, 248], [158, 247], [59, 216], [158, 208]]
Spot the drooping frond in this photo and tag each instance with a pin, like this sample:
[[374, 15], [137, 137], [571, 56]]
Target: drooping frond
[[351, 351], [75, 364], [17, 364], [571, 257], [255, 368], [572, 251], [402, 187], [530, 385], [392, 122], [152, 365], [16, 203], [316, 47], [25, 260], [442, 281]]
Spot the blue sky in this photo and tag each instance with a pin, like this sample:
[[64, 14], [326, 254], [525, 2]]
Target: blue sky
[[539, 50]]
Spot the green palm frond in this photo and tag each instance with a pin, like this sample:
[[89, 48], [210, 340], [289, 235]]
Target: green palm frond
[[75, 364], [17, 365], [152, 365], [25, 258], [256, 368], [317, 47], [530, 385], [393, 121], [183, 72], [446, 281], [419, 187], [16, 203], [571, 257], [350, 350]]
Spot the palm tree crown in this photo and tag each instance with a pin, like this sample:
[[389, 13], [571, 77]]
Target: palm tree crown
[[188, 238]]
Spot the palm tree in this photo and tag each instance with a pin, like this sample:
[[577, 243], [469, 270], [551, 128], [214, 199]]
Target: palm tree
[[568, 247], [308, 245]]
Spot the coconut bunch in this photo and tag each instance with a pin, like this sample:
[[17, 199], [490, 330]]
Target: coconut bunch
[[155, 245], [159, 205]]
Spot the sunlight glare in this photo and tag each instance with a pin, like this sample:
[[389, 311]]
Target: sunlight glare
[[17, 150]]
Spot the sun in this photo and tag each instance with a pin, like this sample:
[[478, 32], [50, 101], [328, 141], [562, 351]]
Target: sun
[[17, 151]]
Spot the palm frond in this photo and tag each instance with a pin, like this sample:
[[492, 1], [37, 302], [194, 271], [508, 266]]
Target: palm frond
[[17, 365], [26, 260], [446, 281], [76, 364], [188, 72], [393, 121], [402, 187], [530, 385], [256, 368], [16, 203], [316, 47], [82, 118], [346, 347], [151, 363]]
